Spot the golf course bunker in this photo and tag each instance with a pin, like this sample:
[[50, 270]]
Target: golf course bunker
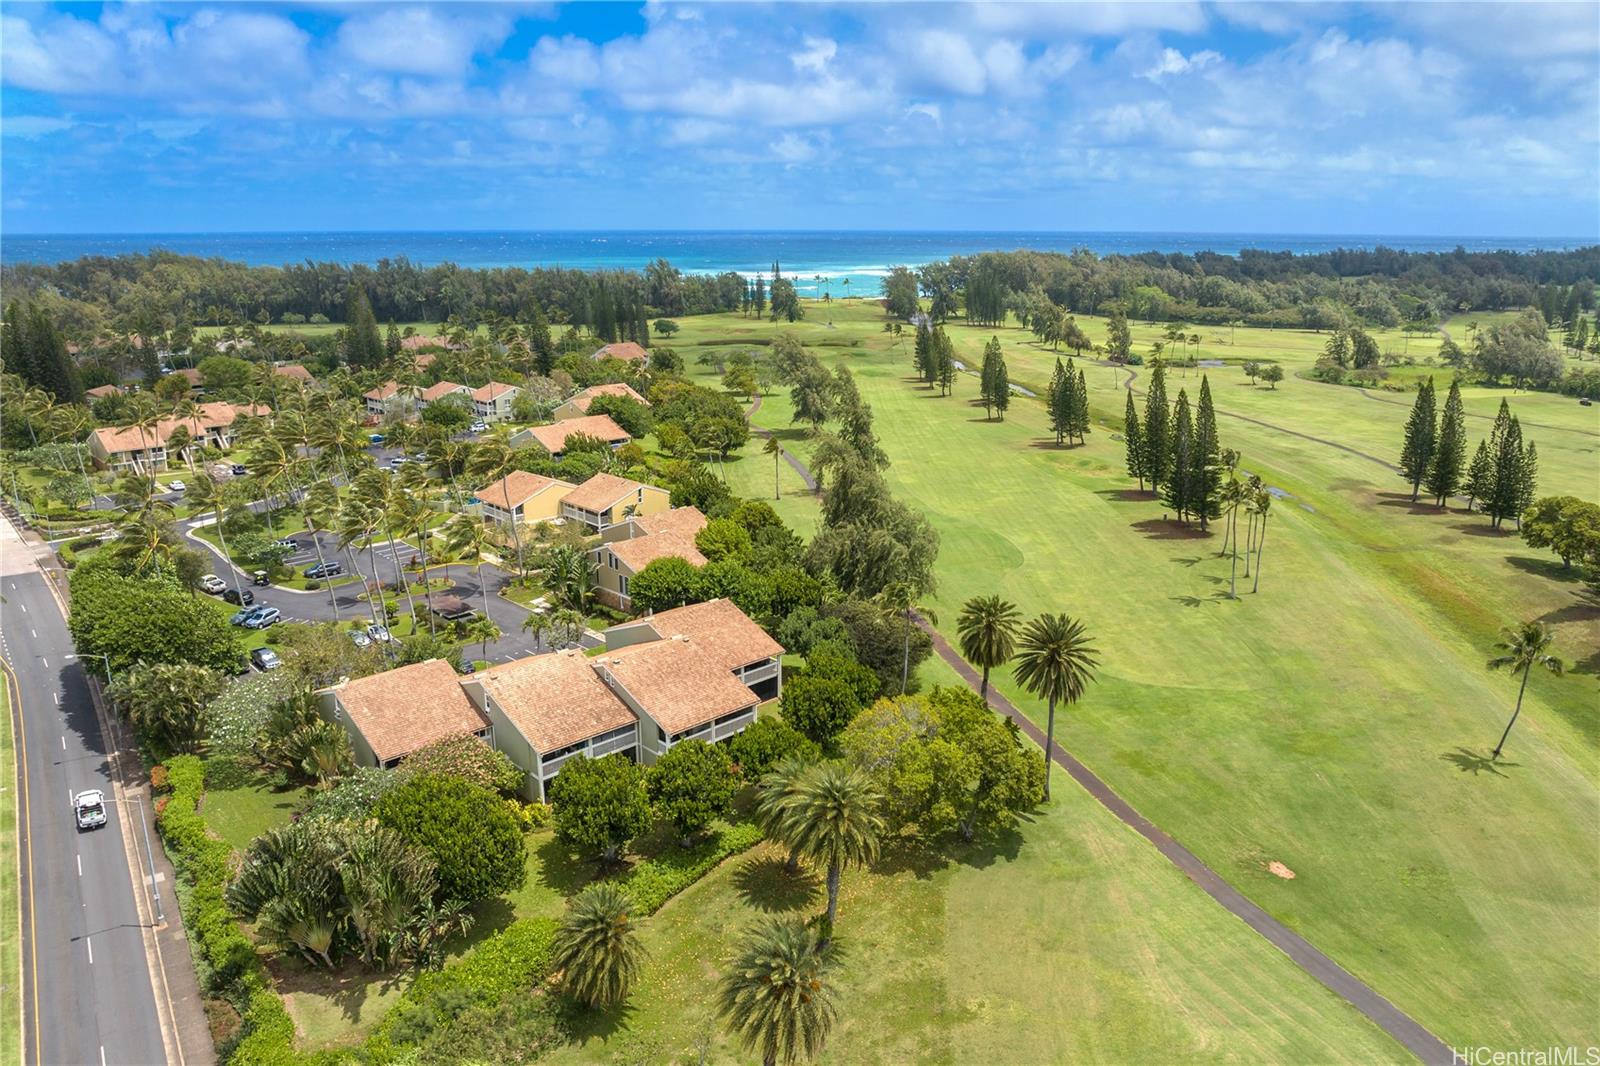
[[1278, 869]]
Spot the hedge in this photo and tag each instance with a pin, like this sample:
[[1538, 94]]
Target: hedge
[[225, 958], [654, 881]]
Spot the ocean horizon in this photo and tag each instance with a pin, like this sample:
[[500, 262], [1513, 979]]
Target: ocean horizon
[[859, 257]]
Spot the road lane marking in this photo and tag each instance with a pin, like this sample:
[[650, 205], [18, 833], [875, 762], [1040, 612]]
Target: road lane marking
[[63, 743], [33, 632], [102, 1055], [57, 695], [45, 661], [89, 943], [23, 606], [80, 865]]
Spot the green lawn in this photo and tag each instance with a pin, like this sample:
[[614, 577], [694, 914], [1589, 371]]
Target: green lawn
[[254, 803], [1336, 722]]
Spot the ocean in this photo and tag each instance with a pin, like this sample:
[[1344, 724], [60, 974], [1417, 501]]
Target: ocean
[[859, 257]]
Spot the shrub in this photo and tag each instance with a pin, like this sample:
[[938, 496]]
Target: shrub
[[600, 805], [467, 829], [466, 757], [819, 707], [765, 744], [690, 785]]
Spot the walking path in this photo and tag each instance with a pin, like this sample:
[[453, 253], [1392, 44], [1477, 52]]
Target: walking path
[[796, 464], [1391, 1019]]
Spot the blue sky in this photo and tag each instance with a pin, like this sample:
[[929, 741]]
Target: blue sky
[[1424, 118]]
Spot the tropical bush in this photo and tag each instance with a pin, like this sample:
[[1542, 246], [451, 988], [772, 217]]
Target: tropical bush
[[473, 838]]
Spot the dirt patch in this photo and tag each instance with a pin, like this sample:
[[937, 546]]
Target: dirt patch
[[1278, 869]]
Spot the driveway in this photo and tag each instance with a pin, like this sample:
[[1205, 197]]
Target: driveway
[[340, 602]]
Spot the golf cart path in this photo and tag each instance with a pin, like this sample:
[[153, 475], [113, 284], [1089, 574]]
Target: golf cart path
[[795, 464], [1384, 1014]]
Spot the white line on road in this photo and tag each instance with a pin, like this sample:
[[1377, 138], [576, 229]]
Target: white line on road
[[57, 695], [45, 661], [80, 865], [34, 632], [24, 607], [63, 743], [102, 1055], [89, 943]]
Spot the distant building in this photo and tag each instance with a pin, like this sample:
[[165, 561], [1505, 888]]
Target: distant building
[[435, 393], [605, 499], [522, 497], [124, 448], [579, 403], [636, 542], [553, 437], [627, 351], [390, 398], [492, 402]]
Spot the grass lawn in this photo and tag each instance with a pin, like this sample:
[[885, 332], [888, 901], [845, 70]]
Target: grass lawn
[[254, 803], [1068, 941], [10, 888], [1338, 721]]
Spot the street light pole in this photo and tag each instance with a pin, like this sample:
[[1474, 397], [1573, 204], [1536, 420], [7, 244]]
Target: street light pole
[[110, 678]]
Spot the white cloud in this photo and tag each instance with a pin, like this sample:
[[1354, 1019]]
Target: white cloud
[[33, 126], [816, 55], [420, 40], [67, 55], [1171, 62]]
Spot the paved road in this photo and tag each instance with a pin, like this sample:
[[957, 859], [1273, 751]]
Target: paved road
[[88, 992]]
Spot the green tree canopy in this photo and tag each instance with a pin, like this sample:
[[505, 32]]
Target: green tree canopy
[[468, 831]]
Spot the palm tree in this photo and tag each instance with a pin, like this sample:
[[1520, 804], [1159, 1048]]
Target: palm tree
[[774, 449], [773, 793], [320, 508], [208, 494], [1056, 662], [1523, 647], [482, 628], [467, 539], [1263, 508], [567, 625], [539, 624], [492, 458], [377, 492], [358, 524], [900, 598], [778, 995], [597, 946], [987, 628], [145, 416], [1233, 494], [832, 819]]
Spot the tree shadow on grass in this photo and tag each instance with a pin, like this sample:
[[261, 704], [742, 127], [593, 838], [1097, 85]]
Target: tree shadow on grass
[[1475, 762], [1582, 611], [1549, 568], [1167, 529], [562, 871], [1484, 529], [767, 884], [1125, 495], [1198, 601], [347, 987], [597, 1023], [1420, 506]]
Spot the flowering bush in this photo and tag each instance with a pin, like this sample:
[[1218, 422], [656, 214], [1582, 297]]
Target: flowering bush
[[466, 757]]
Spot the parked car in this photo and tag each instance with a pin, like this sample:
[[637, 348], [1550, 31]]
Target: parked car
[[360, 639], [265, 659], [479, 426], [287, 542], [375, 438], [242, 615], [331, 568], [260, 579], [89, 809], [238, 470], [420, 457], [398, 461], [379, 633], [262, 617], [242, 597], [212, 584], [176, 486]]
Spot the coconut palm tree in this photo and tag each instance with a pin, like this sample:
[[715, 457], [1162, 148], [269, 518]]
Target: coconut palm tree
[[1263, 507], [987, 628], [378, 492], [567, 624], [466, 539], [832, 819], [144, 416], [1056, 662], [539, 624], [357, 525], [320, 508], [900, 598], [597, 946], [208, 494], [493, 458], [774, 449], [778, 994], [1522, 648]]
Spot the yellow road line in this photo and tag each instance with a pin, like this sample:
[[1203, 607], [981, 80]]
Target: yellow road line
[[23, 816]]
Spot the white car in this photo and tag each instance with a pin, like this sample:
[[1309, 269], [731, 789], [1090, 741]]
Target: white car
[[89, 808], [213, 584], [360, 639], [177, 486], [379, 633], [478, 427]]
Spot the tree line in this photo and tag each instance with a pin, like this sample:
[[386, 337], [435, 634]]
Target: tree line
[[1502, 478]]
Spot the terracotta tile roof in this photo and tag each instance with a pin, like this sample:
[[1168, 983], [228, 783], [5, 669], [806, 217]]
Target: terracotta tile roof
[[191, 373], [718, 626], [583, 399], [677, 682], [640, 552], [626, 350], [295, 371], [553, 438], [423, 361], [418, 340], [212, 416], [685, 520], [103, 390], [441, 390], [555, 700], [492, 391], [602, 490], [384, 391], [516, 488], [401, 710]]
